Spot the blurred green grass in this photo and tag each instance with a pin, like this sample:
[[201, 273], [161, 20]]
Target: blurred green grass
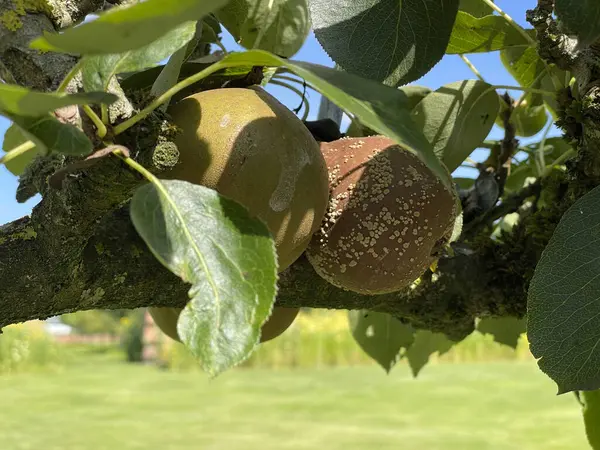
[[100, 403]]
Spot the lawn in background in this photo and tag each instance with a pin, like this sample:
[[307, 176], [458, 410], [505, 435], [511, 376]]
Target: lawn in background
[[104, 404]]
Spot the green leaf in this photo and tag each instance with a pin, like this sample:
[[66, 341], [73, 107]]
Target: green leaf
[[457, 118], [52, 136], [554, 147], [487, 34], [591, 417], [25, 102], [98, 70], [426, 344], [563, 306], [505, 330], [12, 139], [211, 28], [526, 66], [414, 94], [581, 17], [126, 28], [381, 108], [476, 8], [380, 335], [518, 176], [395, 42], [529, 117], [277, 26], [226, 255]]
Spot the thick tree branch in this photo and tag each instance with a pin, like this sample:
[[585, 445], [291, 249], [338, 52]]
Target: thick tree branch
[[79, 250]]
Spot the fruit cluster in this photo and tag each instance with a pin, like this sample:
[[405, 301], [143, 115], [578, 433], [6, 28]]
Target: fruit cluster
[[369, 214]]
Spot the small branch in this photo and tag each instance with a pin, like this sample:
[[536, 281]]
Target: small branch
[[472, 67], [509, 205]]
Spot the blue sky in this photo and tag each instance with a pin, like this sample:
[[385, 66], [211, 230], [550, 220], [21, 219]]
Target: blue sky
[[450, 69]]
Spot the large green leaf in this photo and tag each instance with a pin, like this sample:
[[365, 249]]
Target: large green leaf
[[529, 117], [278, 26], [487, 34], [591, 417], [426, 343], [25, 102], [381, 108], [581, 17], [477, 8], [391, 41], [563, 318], [505, 330], [99, 69], [518, 175], [126, 28], [226, 255], [457, 118], [381, 336]]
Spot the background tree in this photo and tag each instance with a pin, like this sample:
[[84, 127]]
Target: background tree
[[91, 135]]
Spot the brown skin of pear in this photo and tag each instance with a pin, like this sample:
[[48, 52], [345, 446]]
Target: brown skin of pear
[[388, 215], [279, 321], [249, 147]]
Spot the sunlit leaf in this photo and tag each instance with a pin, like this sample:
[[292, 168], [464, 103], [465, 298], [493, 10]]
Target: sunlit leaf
[[477, 8], [126, 28], [99, 69], [226, 255], [457, 118], [25, 102], [278, 26], [481, 35]]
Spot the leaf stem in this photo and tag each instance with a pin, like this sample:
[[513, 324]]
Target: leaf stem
[[539, 155], [561, 159], [510, 20], [139, 168], [104, 113], [100, 127], [17, 151], [170, 93], [72, 74], [471, 66], [298, 92]]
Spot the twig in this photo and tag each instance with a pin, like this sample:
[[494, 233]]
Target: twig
[[471, 66]]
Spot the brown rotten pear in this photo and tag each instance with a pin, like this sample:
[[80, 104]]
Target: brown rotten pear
[[249, 147], [279, 321], [388, 214]]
